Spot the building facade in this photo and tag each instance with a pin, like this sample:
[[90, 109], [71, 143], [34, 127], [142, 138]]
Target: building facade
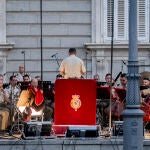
[[84, 24]]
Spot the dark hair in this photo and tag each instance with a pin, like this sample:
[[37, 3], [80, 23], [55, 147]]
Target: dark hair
[[11, 77], [123, 75], [26, 75], [108, 74], [146, 79], [59, 76], [37, 77], [72, 50]]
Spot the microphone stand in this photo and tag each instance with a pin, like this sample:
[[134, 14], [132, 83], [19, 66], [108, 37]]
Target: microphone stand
[[56, 58], [86, 63], [23, 52]]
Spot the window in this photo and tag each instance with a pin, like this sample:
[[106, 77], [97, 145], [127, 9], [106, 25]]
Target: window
[[121, 8]]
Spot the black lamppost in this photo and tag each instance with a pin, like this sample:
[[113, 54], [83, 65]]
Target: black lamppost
[[133, 115], [41, 37]]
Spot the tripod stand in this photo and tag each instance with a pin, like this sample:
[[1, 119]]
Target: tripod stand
[[18, 124]]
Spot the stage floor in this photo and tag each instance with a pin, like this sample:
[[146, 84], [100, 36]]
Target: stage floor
[[55, 143]]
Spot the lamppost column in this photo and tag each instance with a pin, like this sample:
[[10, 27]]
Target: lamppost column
[[133, 116]]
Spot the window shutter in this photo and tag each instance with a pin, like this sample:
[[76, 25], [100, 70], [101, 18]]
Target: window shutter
[[143, 21], [121, 9], [109, 17], [121, 24]]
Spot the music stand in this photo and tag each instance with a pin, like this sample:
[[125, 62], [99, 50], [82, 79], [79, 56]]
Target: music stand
[[99, 83], [47, 88], [24, 85], [44, 84], [103, 93]]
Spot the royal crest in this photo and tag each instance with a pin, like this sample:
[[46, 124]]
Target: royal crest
[[75, 102]]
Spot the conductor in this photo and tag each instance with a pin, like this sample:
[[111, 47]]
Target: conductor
[[72, 66]]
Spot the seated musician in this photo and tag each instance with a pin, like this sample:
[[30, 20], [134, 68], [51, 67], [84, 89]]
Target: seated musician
[[26, 78], [108, 79], [96, 77], [123, 81], [116, 105], [145, 102], [4, 109], [13, 90], [13, 93], [32, 97], [145, 92]]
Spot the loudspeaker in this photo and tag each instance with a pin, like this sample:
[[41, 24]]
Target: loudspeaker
[[32, 129], [82, 131], [117, 128]]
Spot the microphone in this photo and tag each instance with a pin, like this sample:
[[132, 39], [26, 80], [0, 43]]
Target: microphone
[[22, 52], [54, 54]]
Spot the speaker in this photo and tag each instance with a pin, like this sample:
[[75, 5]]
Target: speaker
[[117, 128], [82, 131], [33, 129]]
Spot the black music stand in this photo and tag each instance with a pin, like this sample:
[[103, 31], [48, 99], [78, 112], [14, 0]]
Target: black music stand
[[144, 87], [24, 85], [103, 94], [99, 83], [47, 88]]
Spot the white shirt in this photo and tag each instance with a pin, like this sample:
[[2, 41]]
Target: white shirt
[[72, 67]]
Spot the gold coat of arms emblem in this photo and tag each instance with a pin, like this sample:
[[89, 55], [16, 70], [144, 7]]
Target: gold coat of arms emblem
[[75, 102]]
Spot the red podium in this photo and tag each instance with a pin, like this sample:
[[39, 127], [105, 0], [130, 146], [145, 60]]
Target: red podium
[[75, 102]]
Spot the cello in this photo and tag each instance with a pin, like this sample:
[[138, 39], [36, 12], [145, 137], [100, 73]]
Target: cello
[[117, 104]]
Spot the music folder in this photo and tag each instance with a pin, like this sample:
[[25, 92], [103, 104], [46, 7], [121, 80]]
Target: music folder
[[103, 92]]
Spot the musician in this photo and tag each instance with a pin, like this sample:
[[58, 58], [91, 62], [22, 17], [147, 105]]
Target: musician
[[96, 77], [146, 82], [1, 77], [38, 78], [32, 97], [4, 109], [145, 101], [13, 90], [123, 81], [108, 79], [72, 66], [13, 93], [21, 73], [27, 96], [145, 92], [26, 78]]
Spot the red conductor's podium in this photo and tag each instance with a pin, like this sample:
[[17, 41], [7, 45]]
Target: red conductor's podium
[[75, 102]]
